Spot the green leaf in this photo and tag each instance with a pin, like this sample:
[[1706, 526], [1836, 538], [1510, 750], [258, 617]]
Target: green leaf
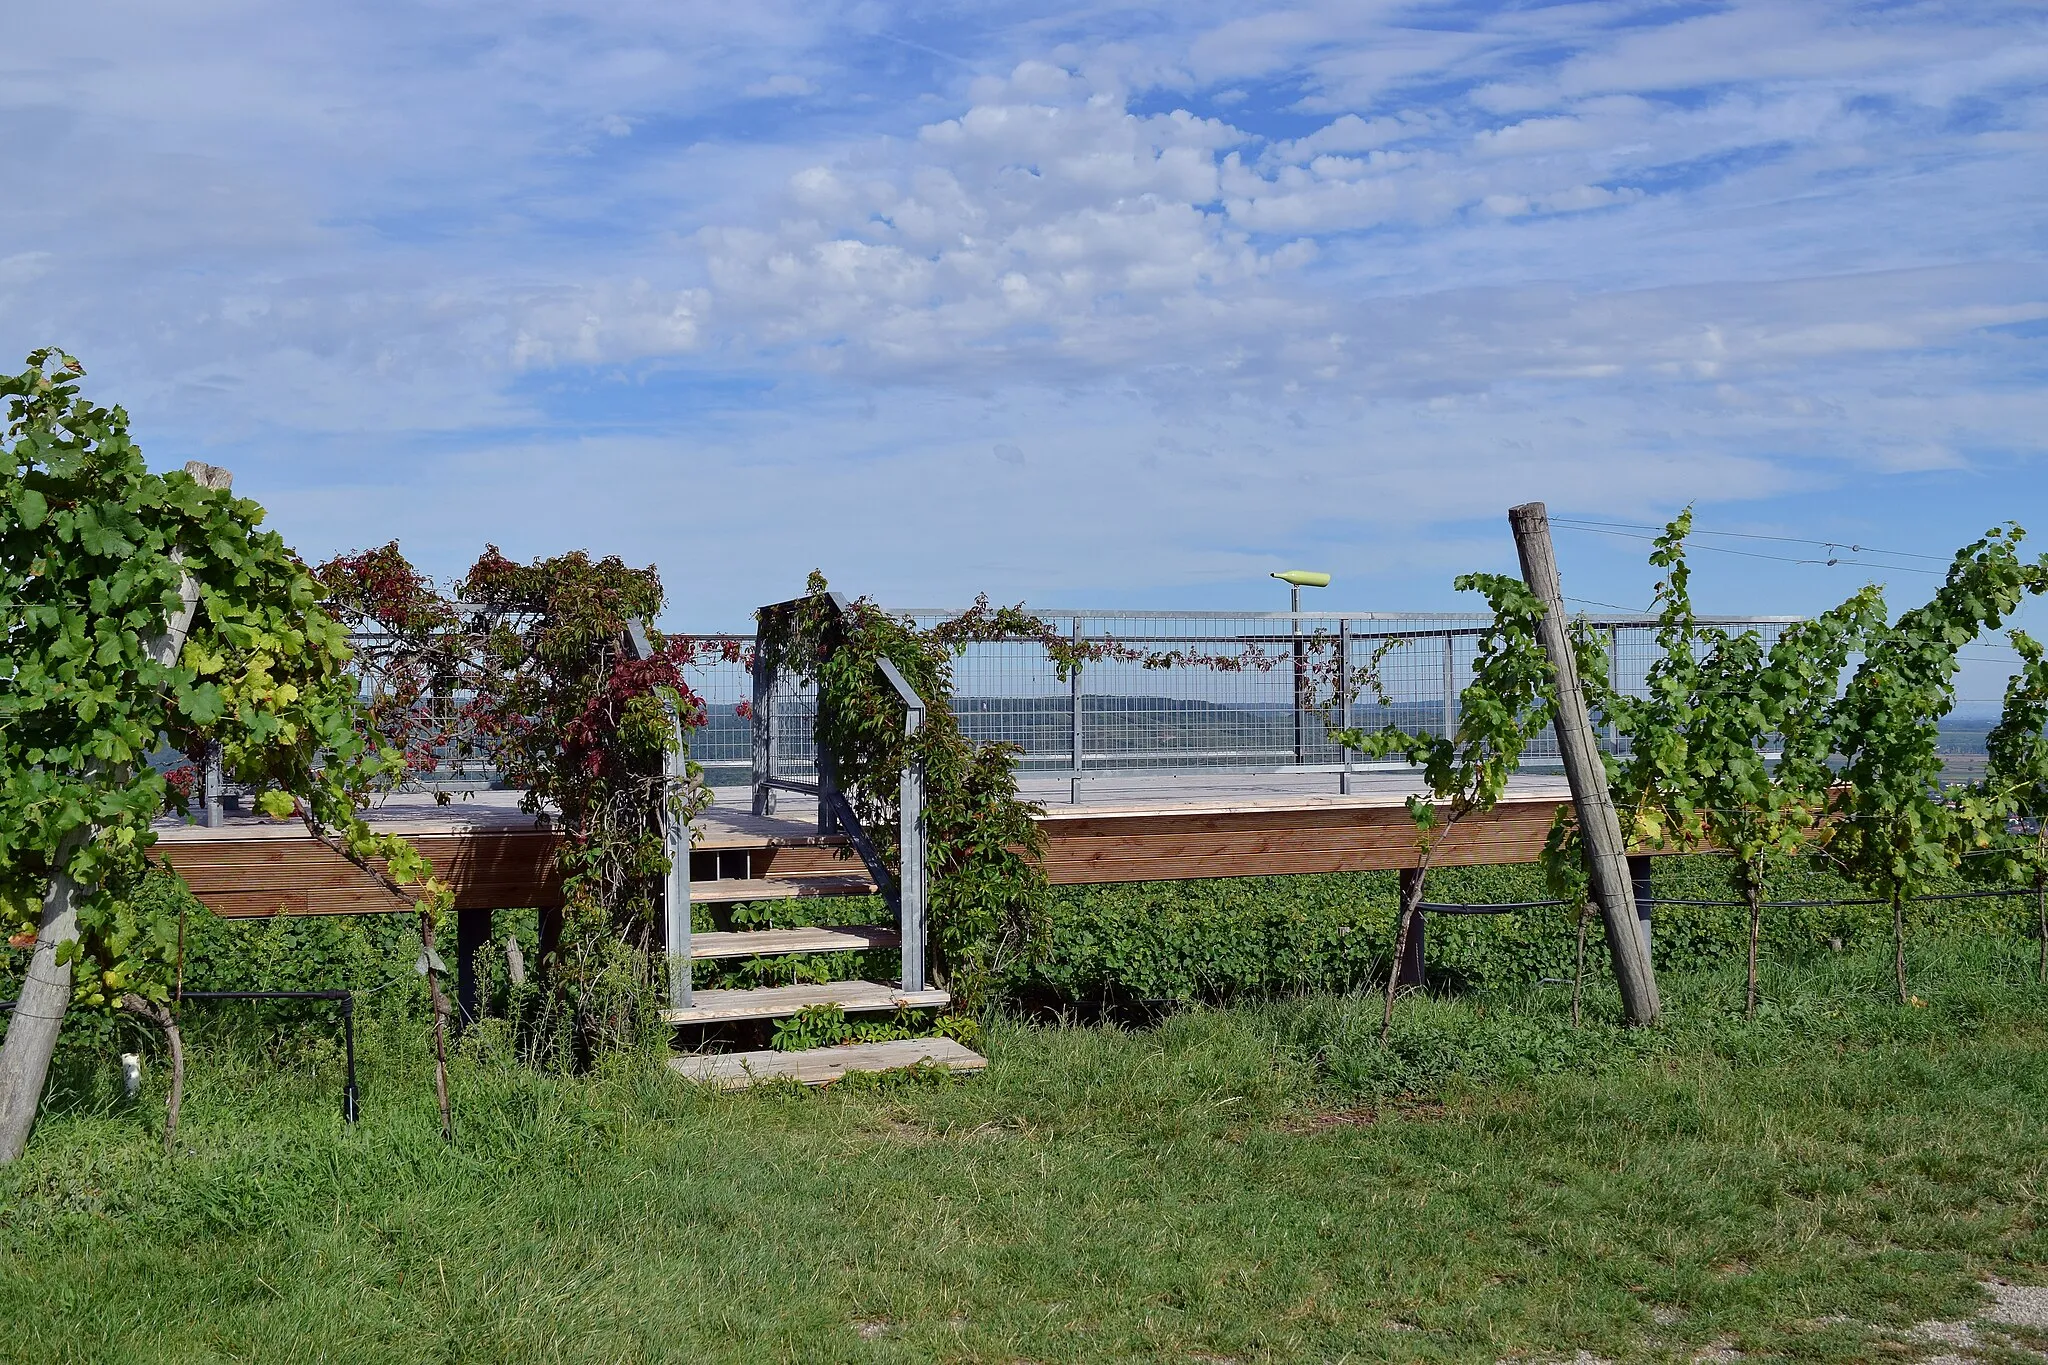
[[202, 705], [32, 507]]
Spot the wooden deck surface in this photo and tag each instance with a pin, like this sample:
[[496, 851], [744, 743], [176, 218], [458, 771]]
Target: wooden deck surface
[[1134, 828]]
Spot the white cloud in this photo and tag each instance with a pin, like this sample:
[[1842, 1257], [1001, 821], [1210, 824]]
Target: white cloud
[[783, 84]]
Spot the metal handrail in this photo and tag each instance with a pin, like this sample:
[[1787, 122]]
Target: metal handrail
[[676, 841], [905, 886]]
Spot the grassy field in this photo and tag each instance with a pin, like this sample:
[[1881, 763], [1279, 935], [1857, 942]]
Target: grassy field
[[1260, 1183]]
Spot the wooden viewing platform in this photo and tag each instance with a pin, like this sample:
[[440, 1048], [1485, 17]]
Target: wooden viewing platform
[[1131, 829], [1137, 829]]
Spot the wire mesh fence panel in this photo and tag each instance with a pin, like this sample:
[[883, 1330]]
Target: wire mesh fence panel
[[1255, 692], [721, 672], [1156, 692]]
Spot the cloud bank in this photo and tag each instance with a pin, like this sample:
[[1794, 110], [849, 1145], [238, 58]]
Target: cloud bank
[[1052, 301]]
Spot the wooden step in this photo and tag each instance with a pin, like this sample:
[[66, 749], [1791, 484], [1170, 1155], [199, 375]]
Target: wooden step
[[780, 888], [784, 942], [824, 1065], [779, 1002]]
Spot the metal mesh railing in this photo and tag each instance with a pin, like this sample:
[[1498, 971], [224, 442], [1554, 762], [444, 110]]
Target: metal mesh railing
[[723, 676], [1203, 691], [1169, 692], [1166, 693]]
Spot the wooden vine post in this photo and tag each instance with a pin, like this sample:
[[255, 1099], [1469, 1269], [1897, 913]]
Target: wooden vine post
[[1606, 854]]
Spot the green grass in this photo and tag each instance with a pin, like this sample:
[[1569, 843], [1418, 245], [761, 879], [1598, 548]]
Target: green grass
[[1260, 1183]]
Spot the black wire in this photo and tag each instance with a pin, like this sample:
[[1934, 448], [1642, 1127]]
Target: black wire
[[1751, 554], [1850, 546], [1498, 908], [1511, 907], [351, 1098]]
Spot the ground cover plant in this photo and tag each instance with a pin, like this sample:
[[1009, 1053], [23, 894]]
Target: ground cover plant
[[1258, 1183]]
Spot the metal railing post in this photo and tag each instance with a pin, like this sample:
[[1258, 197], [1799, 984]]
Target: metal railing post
[[675, 909], [1613, 660], [1074, 694], [675, 842], [1344, 697], [1450, 685], [212, 809], [1300, 669], [763, 716], [910, 867], [828, 774]]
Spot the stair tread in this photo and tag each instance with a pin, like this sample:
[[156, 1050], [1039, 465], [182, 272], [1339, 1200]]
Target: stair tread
[[777, 1002], [824, 1065], [781, 942], [780, 888]]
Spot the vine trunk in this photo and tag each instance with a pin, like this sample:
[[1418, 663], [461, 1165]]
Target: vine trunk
[[1579, 963], [163, 1018], [1899, 942], [1753, 892], [439, 1002], [1411, 898], [2041, 921]]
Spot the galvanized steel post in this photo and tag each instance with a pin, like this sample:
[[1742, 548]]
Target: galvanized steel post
[[1450, 685], [910, 868], [1344, 698], [675, 841], [212, 810], [1074, 693], [1300, 666], [763, 716]]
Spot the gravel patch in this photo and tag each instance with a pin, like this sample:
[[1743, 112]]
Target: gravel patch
[[1946, 1333], [2018, 1305]]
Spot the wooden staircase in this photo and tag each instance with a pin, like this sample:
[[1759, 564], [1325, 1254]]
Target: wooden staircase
[[779, 1002], [763, 858]]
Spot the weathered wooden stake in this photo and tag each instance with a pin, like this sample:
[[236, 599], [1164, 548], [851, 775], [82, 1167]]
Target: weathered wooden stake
[[1606, 854], [472, 932], [1415, 957]]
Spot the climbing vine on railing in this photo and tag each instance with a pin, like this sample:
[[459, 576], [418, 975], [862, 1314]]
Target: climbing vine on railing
[[529, 667], [984, 842]]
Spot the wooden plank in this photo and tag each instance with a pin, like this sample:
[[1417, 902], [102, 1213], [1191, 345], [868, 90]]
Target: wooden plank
[[301, 876], [777, 889], [822, 1066], [1173, 847], [783, 942], [777, 1002], [726, 827], [265, 868], [787, 860]]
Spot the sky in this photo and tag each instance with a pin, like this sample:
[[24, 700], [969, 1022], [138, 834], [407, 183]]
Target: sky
[[1078, 305]]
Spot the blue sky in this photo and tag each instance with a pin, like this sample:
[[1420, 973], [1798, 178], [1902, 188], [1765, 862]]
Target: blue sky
[[1082, 305]]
